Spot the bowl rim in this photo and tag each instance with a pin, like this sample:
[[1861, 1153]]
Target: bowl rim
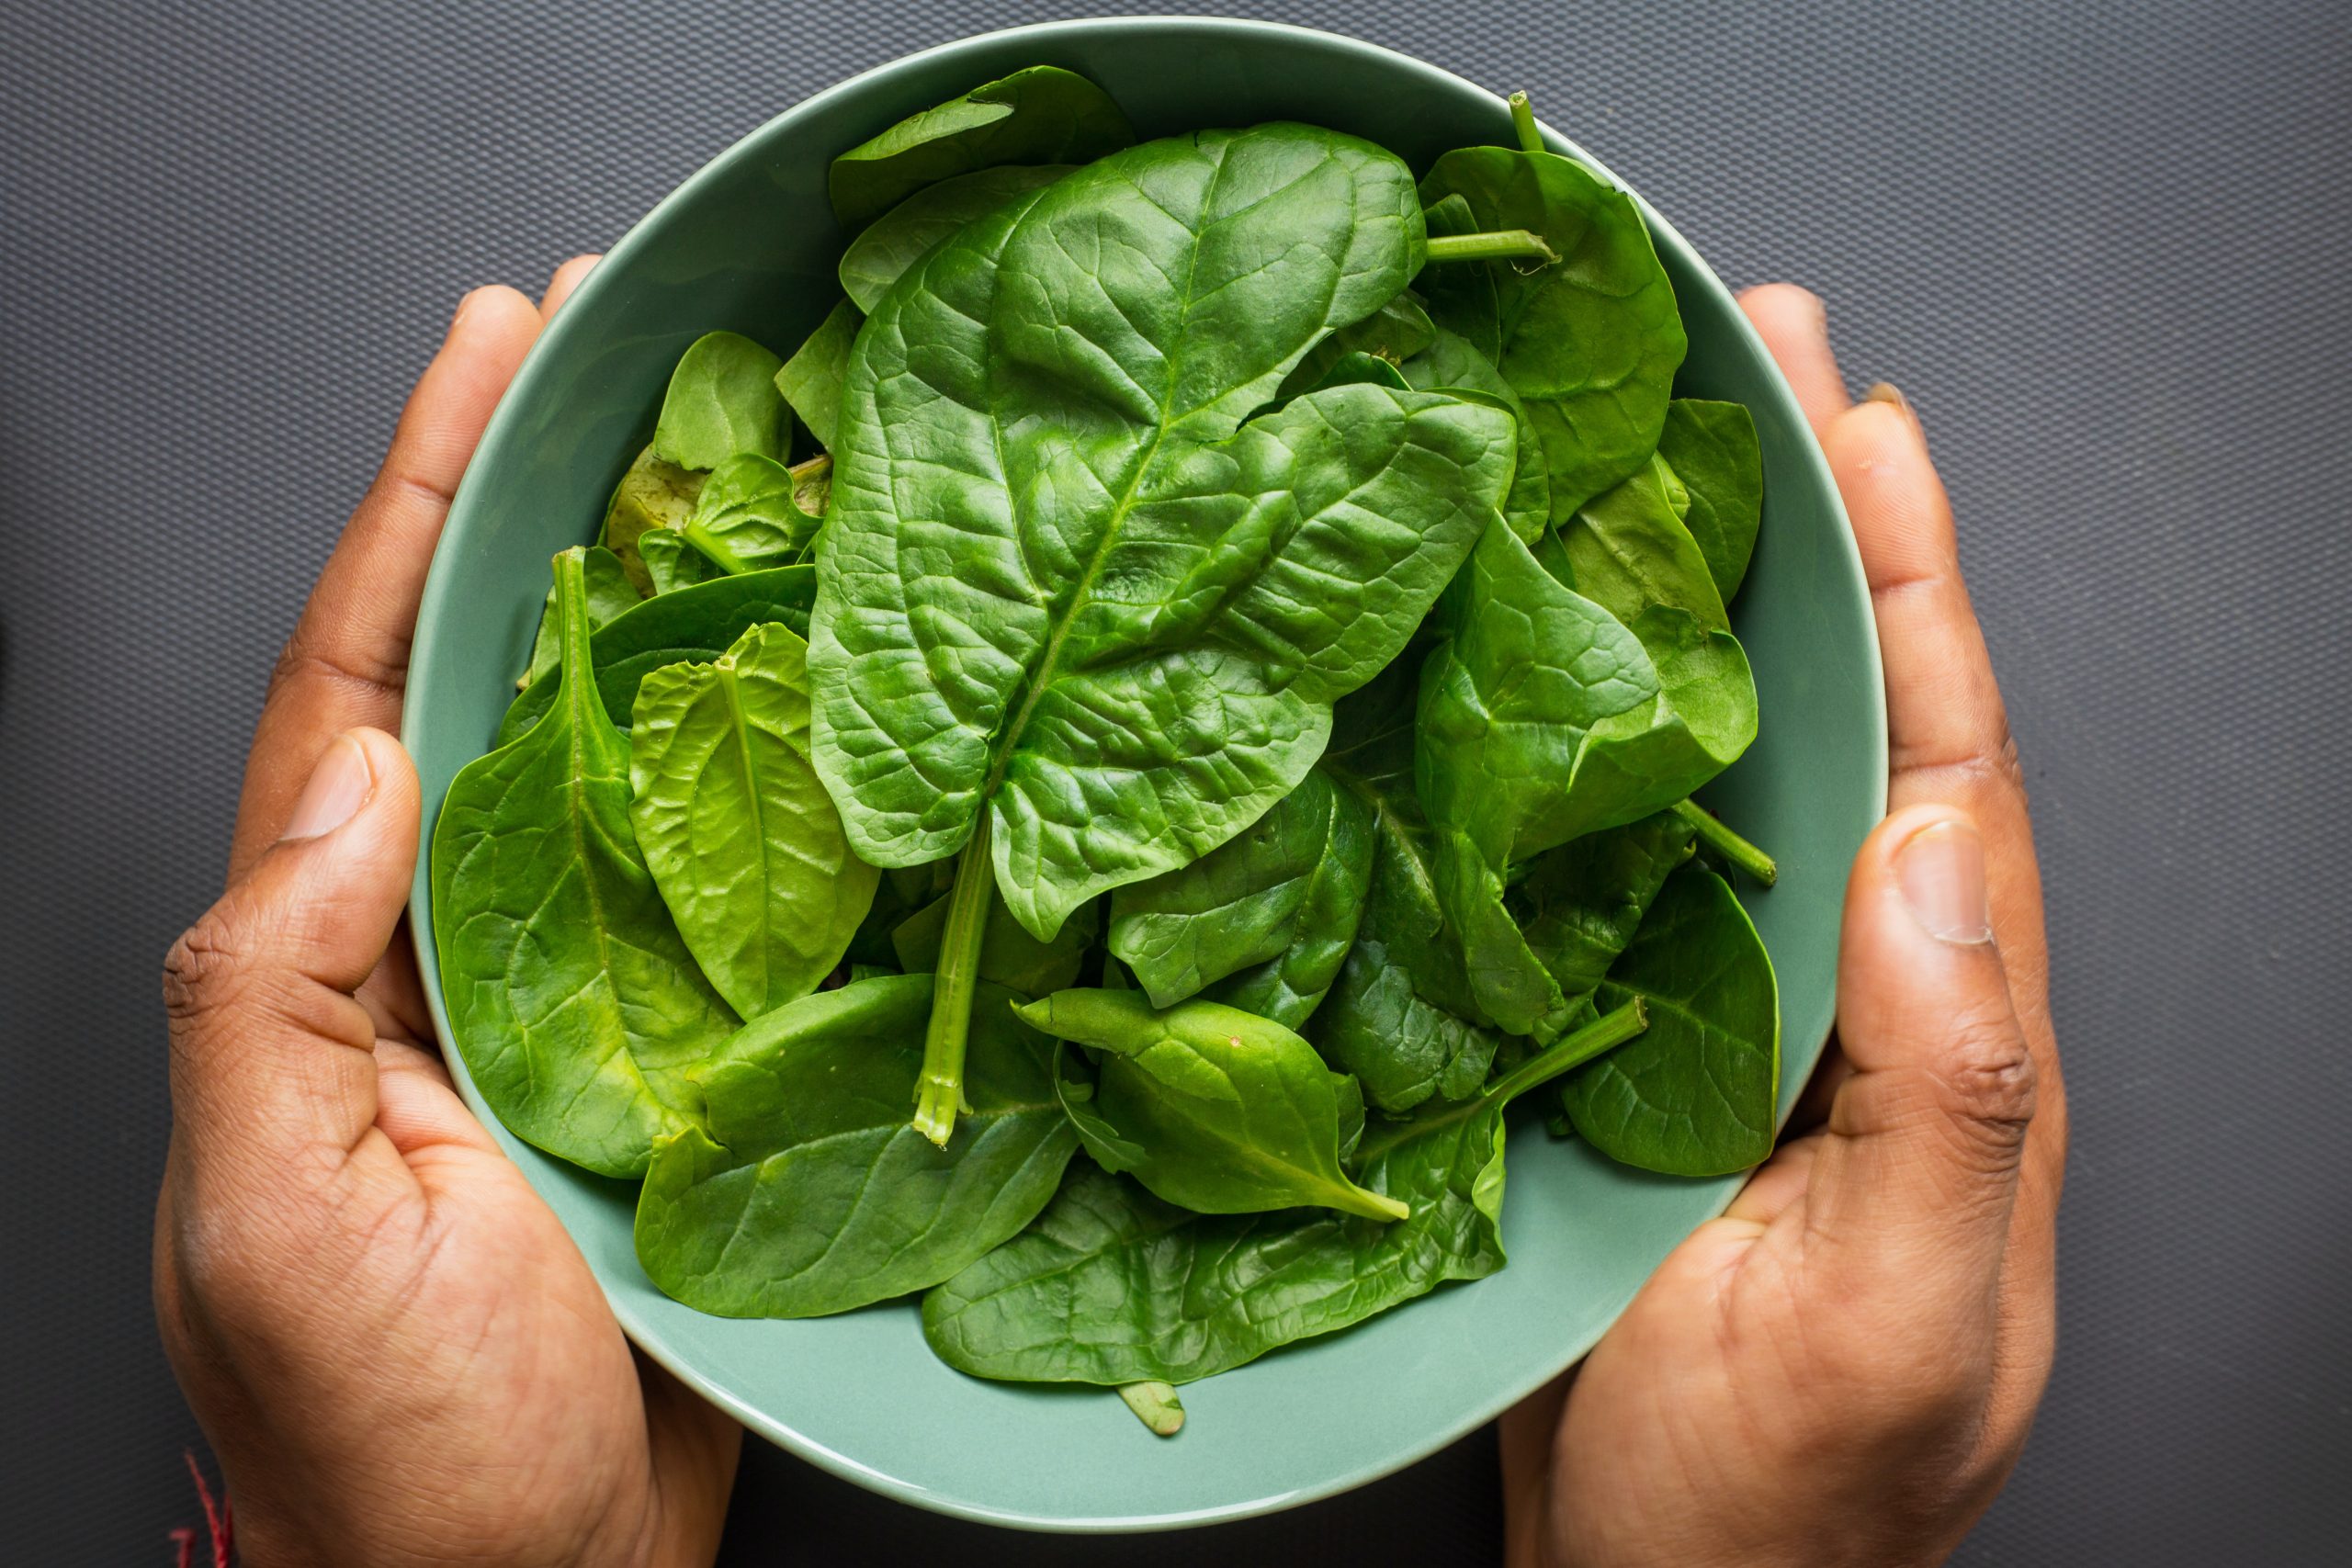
[[523, 392]]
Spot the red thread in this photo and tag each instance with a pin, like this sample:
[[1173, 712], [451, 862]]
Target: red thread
[[217, 1522]]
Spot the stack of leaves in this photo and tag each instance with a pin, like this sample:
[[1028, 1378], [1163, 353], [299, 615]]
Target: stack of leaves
[[1199, 659]]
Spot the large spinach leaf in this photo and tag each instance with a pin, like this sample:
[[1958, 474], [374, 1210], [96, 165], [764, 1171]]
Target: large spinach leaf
[[1590, 345], [1043, 115], [1544, 718], [573, 1001], [1713, 450], [742, 841], [1112, 1285], [1698, 1094], [1450, 361], [1075, 617], [1579, 905], [809, 1192], [693, 624], [902, 236], [1207, 1106]]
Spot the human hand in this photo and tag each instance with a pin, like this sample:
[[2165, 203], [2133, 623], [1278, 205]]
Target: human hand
[[397, 1354], [1843, 1367]]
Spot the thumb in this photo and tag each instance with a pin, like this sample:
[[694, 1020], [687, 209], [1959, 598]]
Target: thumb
[[1915, 1181], [271, 1054]]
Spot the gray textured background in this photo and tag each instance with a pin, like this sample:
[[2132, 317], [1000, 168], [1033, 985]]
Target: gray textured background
[[2104, 249]]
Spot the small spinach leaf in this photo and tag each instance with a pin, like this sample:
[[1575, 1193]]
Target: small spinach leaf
[[1590, 345], [901, 237], [741, 839], [1579, 905], [690, 625], [722, 399], [671, 562], [1043, 115], [1395, 332], [1209, 1107], [811, 380], [1112, 1285], [1713, 450], [573, 1001], [747, 517], [1698, 1095], [810, 1193]]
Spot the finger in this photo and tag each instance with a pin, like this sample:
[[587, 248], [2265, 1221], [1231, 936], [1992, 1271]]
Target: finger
[[1913, 1184], [1525, 1435], [1795, 327], [273, 1058], [347, 661], [696, 1446], [568, 277], [1948, 731], [417, 1106], [1780, 1182]]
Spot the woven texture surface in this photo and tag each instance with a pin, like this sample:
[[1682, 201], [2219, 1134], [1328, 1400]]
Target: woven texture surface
[[2102, 247]]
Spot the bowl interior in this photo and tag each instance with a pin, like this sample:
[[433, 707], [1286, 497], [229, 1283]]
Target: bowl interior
[[749, 243]]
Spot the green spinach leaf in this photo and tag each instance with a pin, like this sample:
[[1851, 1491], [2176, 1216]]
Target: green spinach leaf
[[671, 562], [722, 399], [809, 1193], [1579, 905], [1698, 1095], [811, 380], [1043, 115], [1627, 550], [1300, 871], [1590, 345], [1112, 1285], [1395, 332], [576, 1006], [1713, 450], [1448, 362], [1209, 1107], [742, 841], [1542, 719], [1075, 617], [748, 517], [690, 625], [901, 237]]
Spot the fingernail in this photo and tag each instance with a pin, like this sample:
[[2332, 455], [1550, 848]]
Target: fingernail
[[1888, 392], [338, 787], [1941, 871], [465, 308]]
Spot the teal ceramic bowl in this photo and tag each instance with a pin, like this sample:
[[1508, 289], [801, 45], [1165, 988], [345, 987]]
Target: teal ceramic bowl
[[749, 243]]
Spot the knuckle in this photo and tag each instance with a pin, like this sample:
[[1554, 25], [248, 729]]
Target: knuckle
[[1988, 1082], [307, 657], [201, 971]]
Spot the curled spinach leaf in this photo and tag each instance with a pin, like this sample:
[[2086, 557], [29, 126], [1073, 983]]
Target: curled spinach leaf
[[576, 1006], [1713, 450], [742, 841], [902, 236], [671, 562], [1043, 115], [654, 497], [1590, 344], [1209, 1107], [1579, 905], [809, 1193], [1112, 1285], [748, 517], [1698, 1095], [1627, 550], [693, 624]]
